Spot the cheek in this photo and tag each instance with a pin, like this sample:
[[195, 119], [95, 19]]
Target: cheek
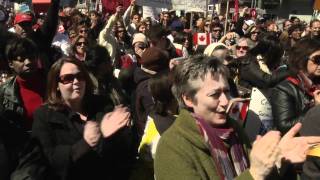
[[310, 67], [64, 90]]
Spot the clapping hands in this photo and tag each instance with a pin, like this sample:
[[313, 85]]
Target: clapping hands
[[115, 120], [271, 149]]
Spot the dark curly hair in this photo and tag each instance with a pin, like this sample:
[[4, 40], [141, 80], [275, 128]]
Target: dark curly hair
[[300, 52]]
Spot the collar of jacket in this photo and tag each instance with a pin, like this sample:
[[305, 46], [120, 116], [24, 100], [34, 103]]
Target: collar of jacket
[[188, 127], [11, 91]]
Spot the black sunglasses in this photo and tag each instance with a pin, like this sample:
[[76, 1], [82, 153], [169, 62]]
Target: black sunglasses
[[83, 31], [217, 30], [242, 47], [316, 59], [80, 43], [141, 46], [69, 78]]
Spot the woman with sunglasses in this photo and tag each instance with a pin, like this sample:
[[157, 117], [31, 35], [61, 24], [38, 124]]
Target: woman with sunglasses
[[253, 34], [260, 67], [294, 96], [79, 48], [78, 139]]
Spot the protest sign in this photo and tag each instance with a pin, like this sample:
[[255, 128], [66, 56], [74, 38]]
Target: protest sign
[[149, 11], [259, 118], [174, 4]]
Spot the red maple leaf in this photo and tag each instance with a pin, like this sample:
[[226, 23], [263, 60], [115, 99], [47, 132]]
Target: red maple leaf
[[202, 38]]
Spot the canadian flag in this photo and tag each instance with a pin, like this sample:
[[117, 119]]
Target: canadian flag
[[202, 38], [239, 111]]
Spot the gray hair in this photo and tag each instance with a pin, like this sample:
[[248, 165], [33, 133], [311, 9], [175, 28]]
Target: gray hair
[[190, 70]]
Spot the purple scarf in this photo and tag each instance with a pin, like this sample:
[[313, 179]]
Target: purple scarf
[[221, 141]]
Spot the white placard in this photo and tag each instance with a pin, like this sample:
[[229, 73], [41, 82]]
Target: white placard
[[259, 119], [150, 12], [174, 4]]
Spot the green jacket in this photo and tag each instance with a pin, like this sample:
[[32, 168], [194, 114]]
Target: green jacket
[[183, 154]]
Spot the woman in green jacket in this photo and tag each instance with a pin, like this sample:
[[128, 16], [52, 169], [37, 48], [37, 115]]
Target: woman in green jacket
[[204, 144]]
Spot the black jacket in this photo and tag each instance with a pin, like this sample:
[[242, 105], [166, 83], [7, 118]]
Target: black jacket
[[252, 76], [289, 104], [70, 156], [143, 98]]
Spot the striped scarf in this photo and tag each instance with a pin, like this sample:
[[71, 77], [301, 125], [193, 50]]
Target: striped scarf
[[227, 152]]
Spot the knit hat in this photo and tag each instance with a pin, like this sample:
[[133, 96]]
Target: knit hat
[[139, 37], [22, 18], [249, 22], [212, 47], [311, 122], [155, 59]]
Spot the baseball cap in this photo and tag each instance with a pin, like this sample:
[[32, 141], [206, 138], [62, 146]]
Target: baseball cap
[[249, 22], [22, 18]]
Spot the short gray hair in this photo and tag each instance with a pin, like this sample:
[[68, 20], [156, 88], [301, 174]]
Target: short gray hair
[[192, 69]]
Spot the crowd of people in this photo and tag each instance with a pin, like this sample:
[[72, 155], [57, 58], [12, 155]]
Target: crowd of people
[[118, 96]]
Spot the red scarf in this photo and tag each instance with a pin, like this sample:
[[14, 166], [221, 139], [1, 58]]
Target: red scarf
[[304, 83], [228, 154], [31, 92]]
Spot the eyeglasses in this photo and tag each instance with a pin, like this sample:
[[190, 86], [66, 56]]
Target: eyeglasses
[[141, 46], [80, 43], [216, 30], [316, 59], [242, 47], [255, 32], [69, 78], [83, 31]]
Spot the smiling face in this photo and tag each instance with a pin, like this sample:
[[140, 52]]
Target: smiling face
[[211, 100], [81, 46], [142, 29], [71, 84], [315, 29]]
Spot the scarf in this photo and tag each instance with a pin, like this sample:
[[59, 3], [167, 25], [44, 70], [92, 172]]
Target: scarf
[[227, 152], [304, 83]]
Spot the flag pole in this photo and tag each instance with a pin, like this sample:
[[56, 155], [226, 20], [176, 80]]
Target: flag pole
[[206, 8], [227, 17], [191, 20]]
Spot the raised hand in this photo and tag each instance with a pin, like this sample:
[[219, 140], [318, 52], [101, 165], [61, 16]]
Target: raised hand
[[133, 2], [294, 149], [114, 121], [264, 155], [91, 133], [119, 10]]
